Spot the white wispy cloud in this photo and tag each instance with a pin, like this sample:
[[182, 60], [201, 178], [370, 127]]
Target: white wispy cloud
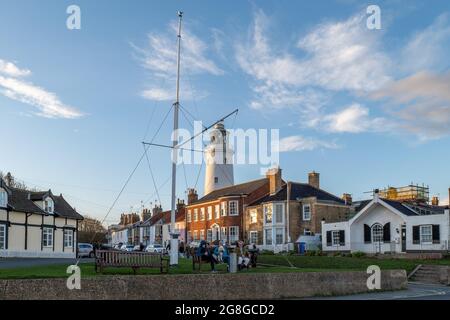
[[160, 59], [420, 103], [10, 69], [300, 143], [47, 103]]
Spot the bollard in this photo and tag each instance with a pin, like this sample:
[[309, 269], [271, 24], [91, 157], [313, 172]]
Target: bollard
[[233, 262]]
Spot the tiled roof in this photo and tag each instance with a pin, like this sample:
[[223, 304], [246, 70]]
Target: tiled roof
[[411, 209], [298, 191], [236, 190], [63, 209]]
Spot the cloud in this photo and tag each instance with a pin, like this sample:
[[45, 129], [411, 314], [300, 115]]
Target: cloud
[[47, 103], [10, 69], [421, 104], [300, 143], [160, 59], [428, 49], [353, 119]]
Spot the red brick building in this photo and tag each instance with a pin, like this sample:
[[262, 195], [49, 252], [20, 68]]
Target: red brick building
[[219, 215]]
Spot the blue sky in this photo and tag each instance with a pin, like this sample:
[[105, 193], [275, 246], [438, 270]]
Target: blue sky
[[365, 108]]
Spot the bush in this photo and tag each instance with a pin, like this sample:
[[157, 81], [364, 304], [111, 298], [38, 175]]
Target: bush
[[311, 253], [336, 254], [267, 253], [358, 254]]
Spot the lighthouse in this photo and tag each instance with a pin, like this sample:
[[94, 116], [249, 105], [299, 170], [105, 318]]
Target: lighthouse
[[219, 160]]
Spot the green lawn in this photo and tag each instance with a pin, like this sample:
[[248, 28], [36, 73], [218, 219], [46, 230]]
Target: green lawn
[[270, 263]]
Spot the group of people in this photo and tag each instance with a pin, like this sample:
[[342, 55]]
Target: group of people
[[219, 253]]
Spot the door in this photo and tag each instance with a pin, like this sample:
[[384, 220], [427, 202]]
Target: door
[[403, 238]]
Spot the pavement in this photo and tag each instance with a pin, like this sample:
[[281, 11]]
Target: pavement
[[10, 263], [415, 291]]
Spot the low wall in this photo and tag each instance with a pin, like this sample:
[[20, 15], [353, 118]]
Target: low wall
[[203, 286]]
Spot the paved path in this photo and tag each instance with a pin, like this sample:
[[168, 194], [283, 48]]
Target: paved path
[[415, 291], [9, 263]]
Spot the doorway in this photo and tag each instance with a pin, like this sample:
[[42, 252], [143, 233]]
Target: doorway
[[403, 238]]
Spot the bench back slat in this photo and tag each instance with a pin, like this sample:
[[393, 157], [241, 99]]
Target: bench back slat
[[128, 259]]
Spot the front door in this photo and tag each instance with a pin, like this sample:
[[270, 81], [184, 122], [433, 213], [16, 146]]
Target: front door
[[215, 233], [403, 238]]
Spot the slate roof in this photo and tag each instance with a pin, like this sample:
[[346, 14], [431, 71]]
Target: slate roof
[[408, 209], [236, 190], [298, 191], [21, 200]]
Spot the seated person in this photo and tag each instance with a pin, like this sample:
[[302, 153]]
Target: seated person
[[205, 252], [221, 253], [242, 255]]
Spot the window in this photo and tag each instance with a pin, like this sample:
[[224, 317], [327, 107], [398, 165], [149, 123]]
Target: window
[[209, 213], [268, 213], [253, 216], [189, 236], [68, 238], [216, 180], [306, 212], [47, 237], [223, 234], [234, 234], [188, 218], [426, 234], [195, 214], [278, 213], [268, 236], [336, 237], [195, 235], [3, 198], [234, 208], [217, 211], [223, 209], [279, 236], [2, 236], [377, 233], [48, 205], [209, 235], [253, 237], [202, 214], [202, 234]]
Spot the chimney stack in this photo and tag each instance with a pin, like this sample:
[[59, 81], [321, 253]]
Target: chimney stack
[[347, 197], [314, 179], [274, 176], [156, 209], [435, 201], [10, 180], [146, 214], [192, 196], [180, 204]]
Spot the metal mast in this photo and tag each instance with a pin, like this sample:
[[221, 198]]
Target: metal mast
[[173, 234]]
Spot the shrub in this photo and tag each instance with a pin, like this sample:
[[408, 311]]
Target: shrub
[[336, 254], [267, 252], [358, 254], [311, 253]]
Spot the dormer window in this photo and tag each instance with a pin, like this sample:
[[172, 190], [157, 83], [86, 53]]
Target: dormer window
[[48, 205], [3, 198]]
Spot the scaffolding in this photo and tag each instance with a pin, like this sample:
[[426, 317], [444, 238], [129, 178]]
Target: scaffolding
[[411, 192]]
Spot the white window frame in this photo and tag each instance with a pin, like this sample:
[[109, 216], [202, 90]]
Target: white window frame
[[307, 232], [189, 236], [275, 211], [195, 214], [189, 216], [3, 235], [47, 237], [304, 212], [224, 234], [195, 237], [277, 234], [377, 232], [268, 208], [209, 235], [217, 211], [209, 213], [430, 234], [223, 209], [202, 234], [233, 208], [3, 198], [266, 232], [253, 216], [68, 238], [335, 238], [253, 237], [233, 234], [49, 205], [202, 214]]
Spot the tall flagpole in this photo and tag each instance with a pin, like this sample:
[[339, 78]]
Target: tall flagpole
[[173, 234]]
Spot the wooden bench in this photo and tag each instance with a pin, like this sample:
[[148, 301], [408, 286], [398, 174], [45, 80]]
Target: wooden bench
[[133, 260]]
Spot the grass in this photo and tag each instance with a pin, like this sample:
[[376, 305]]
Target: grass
[[268, 263]]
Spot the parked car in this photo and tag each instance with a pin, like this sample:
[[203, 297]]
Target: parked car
[[137, 248], [85, 250], [156, 248], [127, 247]]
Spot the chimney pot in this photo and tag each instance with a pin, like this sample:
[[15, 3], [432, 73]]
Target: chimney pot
[[347, 198], [192, 196]]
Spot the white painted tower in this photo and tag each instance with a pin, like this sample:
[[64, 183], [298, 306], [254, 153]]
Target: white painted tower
[[219, 160]]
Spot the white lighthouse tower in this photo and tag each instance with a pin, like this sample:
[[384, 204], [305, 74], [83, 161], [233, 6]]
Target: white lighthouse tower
[[219, 160]]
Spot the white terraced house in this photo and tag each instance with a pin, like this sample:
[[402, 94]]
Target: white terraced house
[[388, 226], [36, 224]]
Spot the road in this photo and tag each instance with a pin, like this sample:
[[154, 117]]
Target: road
[[415, 291], [9, 263]]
